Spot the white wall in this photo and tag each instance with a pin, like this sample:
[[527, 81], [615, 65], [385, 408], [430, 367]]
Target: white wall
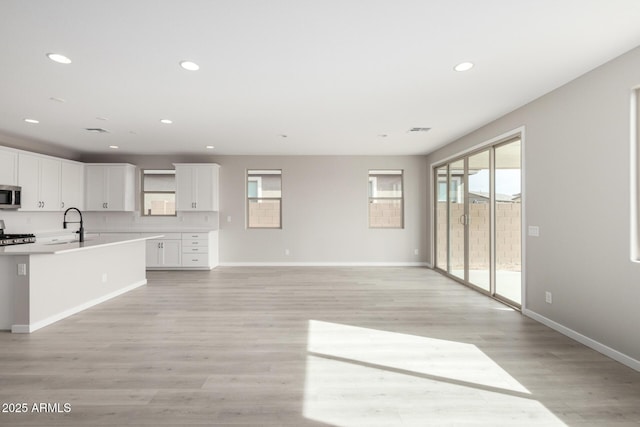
[[324, 211], [577, 186]]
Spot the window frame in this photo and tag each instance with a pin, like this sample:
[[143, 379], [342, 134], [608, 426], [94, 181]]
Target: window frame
[[635, 176], [373, 197], [261, 197], [143, 213]]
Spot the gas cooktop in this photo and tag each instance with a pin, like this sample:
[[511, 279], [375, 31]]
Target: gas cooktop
[[16, 239]]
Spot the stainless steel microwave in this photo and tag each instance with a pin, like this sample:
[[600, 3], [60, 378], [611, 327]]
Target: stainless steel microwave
[[9, 196]]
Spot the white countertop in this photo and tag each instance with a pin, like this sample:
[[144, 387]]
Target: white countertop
[[53, 248], [152, 230]]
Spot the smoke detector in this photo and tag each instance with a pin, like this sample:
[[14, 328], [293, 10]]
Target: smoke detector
[[96, 130]]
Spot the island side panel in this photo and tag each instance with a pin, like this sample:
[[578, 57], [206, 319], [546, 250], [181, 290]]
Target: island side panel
[[6, 292], [63, 284], [14, 291]]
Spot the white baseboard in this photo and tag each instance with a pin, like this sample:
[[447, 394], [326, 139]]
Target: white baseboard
[[324, 264], [597, 346], [27, 329]]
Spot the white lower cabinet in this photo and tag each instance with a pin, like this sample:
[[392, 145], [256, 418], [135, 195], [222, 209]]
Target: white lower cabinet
[[195, 249], [165, 251], [183, 251]]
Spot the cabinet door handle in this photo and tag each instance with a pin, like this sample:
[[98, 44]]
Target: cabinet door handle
[[62, 205]]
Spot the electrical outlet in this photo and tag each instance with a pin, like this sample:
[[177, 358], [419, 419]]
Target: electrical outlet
[[416, 252], [104, 277], [548, 297], [287, 252], [534, 231], [229, 218], [22, 269]]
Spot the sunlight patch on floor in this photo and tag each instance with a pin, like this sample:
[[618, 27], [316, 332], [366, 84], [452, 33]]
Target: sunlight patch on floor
[[359, 376]]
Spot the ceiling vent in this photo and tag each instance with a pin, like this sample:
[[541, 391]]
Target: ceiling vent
[[96, 130], [419, 129]]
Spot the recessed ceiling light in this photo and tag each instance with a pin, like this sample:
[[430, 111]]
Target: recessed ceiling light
[[115, 147], [463, 66], [282, 135], [54, 99], [383, 135], [60, 59], [166, 121], [96, 130], [190, 66], [34, 121], [102, 118], [209, 147]]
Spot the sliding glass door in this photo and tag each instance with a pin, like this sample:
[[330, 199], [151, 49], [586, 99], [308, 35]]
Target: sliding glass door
[[508, 223], [456, 219], [478, 220], [441, 214]]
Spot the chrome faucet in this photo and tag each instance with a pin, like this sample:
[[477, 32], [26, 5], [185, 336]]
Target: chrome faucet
[[65, 222]]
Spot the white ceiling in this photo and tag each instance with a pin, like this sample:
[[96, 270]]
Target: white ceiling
[[331, 75]]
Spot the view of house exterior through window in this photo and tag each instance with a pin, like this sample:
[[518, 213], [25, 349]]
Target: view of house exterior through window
[[159, 192], [386, 199], [264, 199]]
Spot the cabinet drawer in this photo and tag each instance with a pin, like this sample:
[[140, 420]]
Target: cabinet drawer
[[195, 236], [195, 260], [195, 250], [190, 242]]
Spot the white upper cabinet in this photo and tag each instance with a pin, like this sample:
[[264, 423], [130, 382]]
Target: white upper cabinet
[[110, 187], [8, 167], [39, 178], [197, 186], [71, 185]]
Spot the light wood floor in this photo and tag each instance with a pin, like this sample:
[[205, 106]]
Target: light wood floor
[[310, 347]]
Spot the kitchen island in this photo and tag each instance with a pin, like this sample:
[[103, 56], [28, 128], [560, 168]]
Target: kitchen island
[[41, 283]]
